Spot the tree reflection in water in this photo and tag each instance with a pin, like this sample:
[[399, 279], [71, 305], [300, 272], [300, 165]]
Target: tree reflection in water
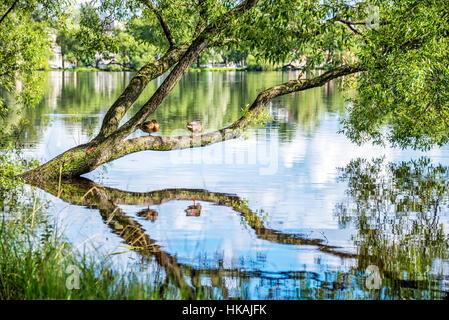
[[395, 209]]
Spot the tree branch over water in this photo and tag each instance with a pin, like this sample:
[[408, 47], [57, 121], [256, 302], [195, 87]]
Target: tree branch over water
[[277, 30], [236, 129]]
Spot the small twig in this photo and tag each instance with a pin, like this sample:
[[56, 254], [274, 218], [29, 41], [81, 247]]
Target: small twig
[[8, 11], [162, 22], [60, 178], [112, 216], [89, 191], [350, 26], [137, 239]]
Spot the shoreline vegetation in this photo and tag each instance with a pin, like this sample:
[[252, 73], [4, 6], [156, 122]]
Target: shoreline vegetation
[[86, 69], [194, 69], [256, 68], [37, 262]]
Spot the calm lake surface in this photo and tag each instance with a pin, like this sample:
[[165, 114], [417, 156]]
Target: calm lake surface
[[293, 210]]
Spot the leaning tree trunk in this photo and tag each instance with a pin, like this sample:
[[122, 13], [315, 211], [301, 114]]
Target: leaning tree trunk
[[111, 143], [87, 157]]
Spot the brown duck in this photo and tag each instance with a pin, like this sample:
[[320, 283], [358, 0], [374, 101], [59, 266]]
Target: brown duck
[[193, 211], [195, 126], [148, 214], [150, 126]]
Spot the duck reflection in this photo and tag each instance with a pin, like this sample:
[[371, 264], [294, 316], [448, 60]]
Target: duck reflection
[[148, 214]]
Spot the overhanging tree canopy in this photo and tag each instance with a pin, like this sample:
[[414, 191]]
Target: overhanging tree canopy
[[397, 51]]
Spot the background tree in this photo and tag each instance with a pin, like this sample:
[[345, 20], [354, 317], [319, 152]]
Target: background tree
[[234, 54], [66, 40], [132, 52]]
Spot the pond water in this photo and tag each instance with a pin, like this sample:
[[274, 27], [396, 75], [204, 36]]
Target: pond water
[[292, 210]]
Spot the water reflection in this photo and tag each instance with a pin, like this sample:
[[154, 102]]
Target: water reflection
[[83, 192], [399, 211], [395, 208], [86, 193], [75, 102]]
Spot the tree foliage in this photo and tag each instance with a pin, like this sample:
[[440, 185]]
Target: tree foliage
[[402, 47], [403, 94], [24, 48]]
